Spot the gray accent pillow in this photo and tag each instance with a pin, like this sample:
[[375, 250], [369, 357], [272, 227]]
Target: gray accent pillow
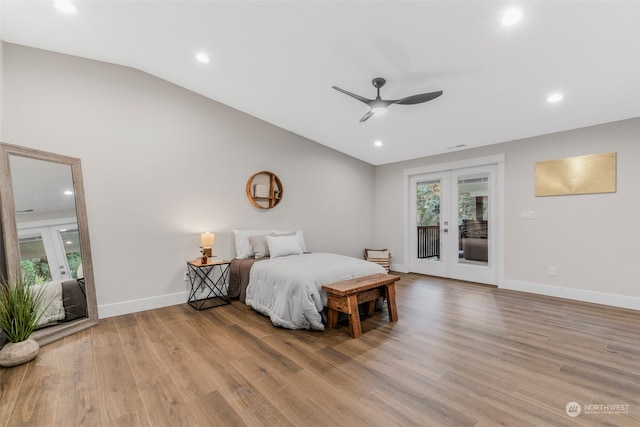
[[259, 245]]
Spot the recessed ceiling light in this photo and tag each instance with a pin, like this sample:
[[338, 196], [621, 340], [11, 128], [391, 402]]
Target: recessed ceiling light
[[65, 6], [555, 97], [203, 57], [378, 143], [68, 193], [511, 17]]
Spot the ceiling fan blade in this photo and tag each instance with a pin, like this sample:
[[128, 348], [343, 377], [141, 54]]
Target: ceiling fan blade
[[417, 99], [353, 95], [366, 116]]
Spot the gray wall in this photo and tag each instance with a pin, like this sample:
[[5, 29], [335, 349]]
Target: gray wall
[[592, 240], [162, 164]]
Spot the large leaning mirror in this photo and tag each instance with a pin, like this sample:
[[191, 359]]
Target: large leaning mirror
[[46, 236]]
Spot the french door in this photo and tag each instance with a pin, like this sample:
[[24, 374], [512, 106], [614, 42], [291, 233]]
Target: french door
[[452, 230], [50, 253]]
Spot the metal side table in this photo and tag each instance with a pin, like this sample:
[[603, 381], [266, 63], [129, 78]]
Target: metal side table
[[209, 284]]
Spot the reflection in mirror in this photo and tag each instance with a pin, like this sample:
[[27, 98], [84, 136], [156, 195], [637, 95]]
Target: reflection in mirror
[[45, 219], [46, 236]]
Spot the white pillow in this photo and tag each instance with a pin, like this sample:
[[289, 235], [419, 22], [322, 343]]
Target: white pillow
[[283, 246], [298, 233], [243, 245]]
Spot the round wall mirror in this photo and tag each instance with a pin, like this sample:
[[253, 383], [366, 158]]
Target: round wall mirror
[[264, 190]]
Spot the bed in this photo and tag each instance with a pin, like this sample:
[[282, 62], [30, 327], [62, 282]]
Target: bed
[[285, 282]]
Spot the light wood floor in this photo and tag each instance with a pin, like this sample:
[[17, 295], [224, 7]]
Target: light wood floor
[[460, 355]]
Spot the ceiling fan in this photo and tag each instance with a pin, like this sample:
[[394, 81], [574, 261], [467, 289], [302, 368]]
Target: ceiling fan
[[379, 105]]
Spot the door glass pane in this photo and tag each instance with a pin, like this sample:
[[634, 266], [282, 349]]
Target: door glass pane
[[428, 219], [35, 266], [71, 242], [473, 219]]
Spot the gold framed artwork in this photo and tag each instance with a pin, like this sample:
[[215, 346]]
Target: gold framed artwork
[[593, 173]]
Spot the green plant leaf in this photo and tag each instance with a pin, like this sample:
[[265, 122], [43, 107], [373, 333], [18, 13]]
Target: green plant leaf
[[22, 305]]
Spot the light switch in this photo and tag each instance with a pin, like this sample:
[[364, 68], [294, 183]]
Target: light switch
[[527, 214]]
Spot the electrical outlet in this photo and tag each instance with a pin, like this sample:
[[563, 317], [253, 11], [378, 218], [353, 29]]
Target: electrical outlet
[[552, 271]]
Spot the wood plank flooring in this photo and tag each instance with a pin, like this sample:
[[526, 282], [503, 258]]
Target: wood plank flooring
[[460, 355]]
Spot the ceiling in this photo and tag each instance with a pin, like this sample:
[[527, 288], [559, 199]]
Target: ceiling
[[278, 61], [41, 189]]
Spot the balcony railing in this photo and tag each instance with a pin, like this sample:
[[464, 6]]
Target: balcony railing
[[428, 241]]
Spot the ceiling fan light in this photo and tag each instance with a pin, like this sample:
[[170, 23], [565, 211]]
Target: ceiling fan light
[[378, 110]]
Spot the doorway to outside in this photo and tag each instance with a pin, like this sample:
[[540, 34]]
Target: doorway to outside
[[50, 252], [453, 221]]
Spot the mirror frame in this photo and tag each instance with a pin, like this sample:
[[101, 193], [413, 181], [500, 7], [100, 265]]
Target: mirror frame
[[11, 241]]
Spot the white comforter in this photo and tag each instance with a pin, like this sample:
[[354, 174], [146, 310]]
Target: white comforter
[[289, 289]]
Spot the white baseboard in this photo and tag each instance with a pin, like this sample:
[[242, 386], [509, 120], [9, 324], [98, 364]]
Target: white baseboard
[[622, 301], [127, 307], [400, 268], [614, 300]]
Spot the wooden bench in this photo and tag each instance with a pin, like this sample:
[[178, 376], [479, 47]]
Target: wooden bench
[[345, 296]]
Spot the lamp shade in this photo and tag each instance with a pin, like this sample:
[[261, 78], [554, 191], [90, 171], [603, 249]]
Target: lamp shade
[[207, 240]]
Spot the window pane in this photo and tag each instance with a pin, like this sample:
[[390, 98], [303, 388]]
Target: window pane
[[473, 221], [71, 242], [428, 219], [35, 266]]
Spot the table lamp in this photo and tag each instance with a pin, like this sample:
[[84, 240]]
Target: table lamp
[[207, 240]]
